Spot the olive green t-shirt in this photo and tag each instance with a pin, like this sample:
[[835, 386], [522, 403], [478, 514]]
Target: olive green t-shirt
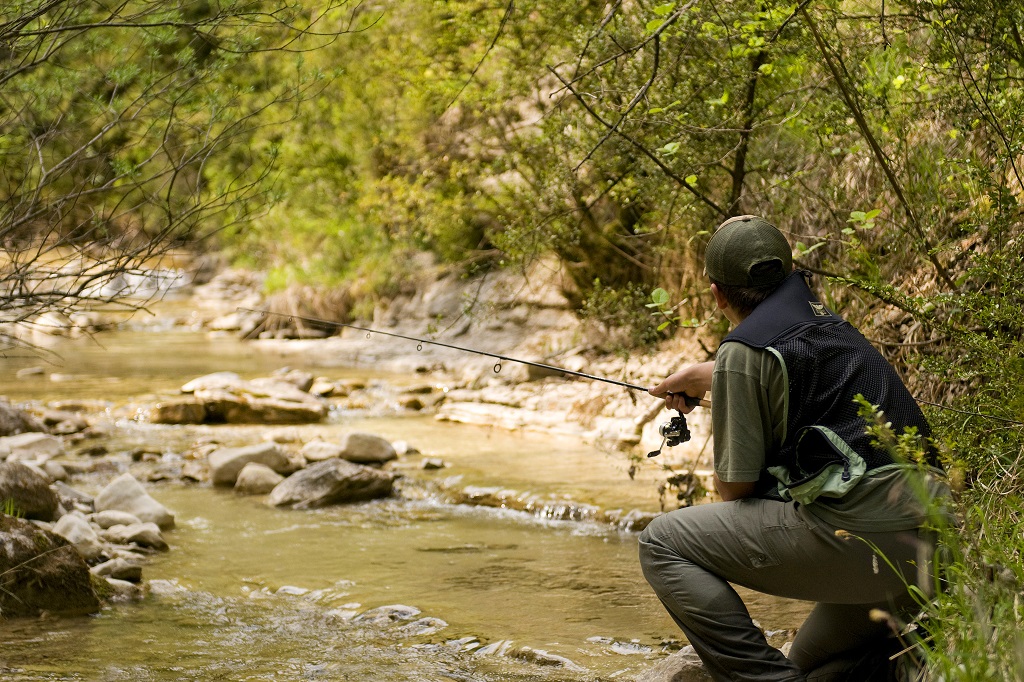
[[750, 392]]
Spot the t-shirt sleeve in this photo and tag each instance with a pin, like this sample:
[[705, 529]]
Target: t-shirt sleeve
[[748, 394]]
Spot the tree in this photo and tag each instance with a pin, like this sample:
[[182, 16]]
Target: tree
[[112, 115]]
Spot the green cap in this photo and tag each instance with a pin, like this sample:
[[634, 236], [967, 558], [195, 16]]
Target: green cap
[[747, 251]]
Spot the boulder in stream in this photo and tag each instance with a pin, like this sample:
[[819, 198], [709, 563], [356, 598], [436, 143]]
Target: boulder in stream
[[227, 463], [178, 411], [367, 448], [226, 397], [141, 534], [31, 446], [14, 421], [74, 528], [257, 479], [41, 572], [126, 494], [682, 666], [358, 447], [26, 492], [334, 481]]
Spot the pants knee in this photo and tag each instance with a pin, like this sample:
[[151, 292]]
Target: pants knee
[[651, 547]]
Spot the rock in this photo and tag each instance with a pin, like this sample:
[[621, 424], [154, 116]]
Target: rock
[[320, 450], [27, 491], [74, 528], [178, 411], [123, 590], [227, 463], [217, 380], [432, 463], [141, 534], [226, 397], [366, 448], [194, 471], [384, 615], [322, 387], [257, 479], [411, 403], [34, 446], [112, 517], [403, 447], [14, 421], [296, 377], [232, 408], [272, 411], [126, 494], [635, 521], [36, 575], [55, 471], [64, 422], [541, 657], [334, 481], [68, 494], [682, 666]]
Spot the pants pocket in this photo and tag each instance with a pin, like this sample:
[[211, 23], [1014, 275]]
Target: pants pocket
[[762, 527]]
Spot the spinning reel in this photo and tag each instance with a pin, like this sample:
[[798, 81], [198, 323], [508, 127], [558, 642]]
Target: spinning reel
[[673, 432]]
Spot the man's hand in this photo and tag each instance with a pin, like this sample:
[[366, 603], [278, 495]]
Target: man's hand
[[693, 381]]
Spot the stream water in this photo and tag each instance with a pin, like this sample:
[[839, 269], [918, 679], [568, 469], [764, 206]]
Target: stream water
[[248, 592]]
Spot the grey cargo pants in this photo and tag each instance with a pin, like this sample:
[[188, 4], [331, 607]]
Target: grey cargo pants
[[690, 556]]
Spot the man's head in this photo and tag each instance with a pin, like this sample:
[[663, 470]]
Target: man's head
[[747, 258]]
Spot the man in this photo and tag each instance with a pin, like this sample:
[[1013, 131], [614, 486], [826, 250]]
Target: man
[[812, 509]]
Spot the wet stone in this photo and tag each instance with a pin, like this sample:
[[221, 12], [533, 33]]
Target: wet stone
[[385, 615]]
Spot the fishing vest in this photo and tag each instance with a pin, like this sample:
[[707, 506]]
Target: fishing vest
[[827, 362]]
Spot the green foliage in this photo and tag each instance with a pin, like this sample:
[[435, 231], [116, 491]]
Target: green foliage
[[621, 310], [661, 308]]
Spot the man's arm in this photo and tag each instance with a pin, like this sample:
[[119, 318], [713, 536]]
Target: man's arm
[[692, 380], [734, 491]]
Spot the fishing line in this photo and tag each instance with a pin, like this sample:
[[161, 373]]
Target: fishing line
[[497, 366]]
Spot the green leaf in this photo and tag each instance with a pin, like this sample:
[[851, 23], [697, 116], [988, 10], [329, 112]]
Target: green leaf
[[670, 148], [691, 179], [665, 10], [659, 296]]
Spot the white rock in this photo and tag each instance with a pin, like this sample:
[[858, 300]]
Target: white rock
[[367, 448], [319, 450], [257, 479], [126, 494], [38, 447], [112, 517], [75, 529], [403, 447], [227, 463], [682, 666], [119, 569], [142, 534]]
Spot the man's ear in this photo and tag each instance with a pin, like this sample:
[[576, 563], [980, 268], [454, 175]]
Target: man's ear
[[719, 297]]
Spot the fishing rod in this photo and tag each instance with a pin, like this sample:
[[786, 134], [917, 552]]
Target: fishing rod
[[673, 432], [691, 401]]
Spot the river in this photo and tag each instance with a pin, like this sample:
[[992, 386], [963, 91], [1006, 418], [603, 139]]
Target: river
[[248, 592]]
